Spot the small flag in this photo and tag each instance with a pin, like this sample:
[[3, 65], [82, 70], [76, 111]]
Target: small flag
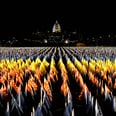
[[98, 111], [114, 103], [7, 113]]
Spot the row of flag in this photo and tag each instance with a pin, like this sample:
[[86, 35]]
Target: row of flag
[[27, 82]]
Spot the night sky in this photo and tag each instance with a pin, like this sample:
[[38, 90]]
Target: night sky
[[21, 19]]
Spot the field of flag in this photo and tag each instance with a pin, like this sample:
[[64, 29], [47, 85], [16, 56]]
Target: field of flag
[[58, 81]]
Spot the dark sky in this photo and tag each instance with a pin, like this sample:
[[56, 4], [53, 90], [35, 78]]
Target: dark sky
[[21, 19]]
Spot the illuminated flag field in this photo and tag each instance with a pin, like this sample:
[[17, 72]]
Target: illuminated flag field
[[58, 81]]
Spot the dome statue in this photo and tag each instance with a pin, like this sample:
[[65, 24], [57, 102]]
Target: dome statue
[[56, 27]]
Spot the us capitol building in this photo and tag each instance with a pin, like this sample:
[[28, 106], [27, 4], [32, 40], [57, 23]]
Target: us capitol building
[[54, 38]]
